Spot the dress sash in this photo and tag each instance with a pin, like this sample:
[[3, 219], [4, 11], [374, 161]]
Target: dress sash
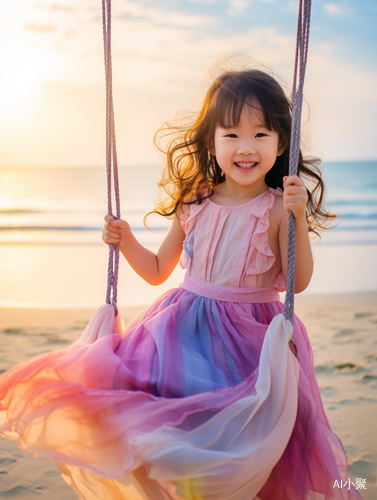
[[230, 293]]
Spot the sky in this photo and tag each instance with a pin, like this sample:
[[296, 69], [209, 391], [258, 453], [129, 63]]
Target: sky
[[52, 97]]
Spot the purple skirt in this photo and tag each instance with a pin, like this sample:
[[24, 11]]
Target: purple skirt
[[165, 408]]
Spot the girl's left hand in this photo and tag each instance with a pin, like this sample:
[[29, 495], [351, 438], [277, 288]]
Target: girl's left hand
[[295, 196]]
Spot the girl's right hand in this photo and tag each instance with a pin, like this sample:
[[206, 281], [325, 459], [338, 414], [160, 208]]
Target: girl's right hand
[[116, 231]]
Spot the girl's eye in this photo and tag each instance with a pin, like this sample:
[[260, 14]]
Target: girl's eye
[[261, 134], [233, 136]]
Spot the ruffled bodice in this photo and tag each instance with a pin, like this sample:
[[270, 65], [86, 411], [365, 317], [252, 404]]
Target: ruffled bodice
[[229, 246]]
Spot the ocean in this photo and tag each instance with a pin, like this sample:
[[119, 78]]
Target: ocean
[[352, 195], [51, 220], [73, 200]]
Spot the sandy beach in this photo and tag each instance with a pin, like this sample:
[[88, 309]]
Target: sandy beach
[[342, 329]]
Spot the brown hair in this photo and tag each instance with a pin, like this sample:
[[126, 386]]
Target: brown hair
[[191, 170]]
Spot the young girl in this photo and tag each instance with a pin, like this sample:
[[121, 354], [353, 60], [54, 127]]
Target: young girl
[[168, 409]]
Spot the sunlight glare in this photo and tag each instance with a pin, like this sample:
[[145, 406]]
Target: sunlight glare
[[23, 69], [15, 95]]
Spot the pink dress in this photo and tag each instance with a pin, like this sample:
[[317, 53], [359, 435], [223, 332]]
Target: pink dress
[[194, 400]]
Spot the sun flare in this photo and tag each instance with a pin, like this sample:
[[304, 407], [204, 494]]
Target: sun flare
[[23, 68], [16, 95]]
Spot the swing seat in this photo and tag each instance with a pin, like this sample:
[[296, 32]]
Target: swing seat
[[104, 322]]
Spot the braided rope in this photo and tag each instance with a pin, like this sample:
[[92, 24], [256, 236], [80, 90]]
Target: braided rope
[[111, 156], [302, 43]]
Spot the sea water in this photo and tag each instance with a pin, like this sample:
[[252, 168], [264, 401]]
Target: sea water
[[352, 195], [52, 254]]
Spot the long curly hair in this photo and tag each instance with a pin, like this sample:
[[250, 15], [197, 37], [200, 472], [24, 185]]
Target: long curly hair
[[191, 171]]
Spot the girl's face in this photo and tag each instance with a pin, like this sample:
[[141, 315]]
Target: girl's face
[[247, 151]]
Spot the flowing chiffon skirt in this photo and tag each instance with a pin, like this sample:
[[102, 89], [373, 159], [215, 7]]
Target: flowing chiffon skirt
[[194, 400]]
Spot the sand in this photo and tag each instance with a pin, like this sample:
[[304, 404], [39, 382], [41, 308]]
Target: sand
[[342, 329]]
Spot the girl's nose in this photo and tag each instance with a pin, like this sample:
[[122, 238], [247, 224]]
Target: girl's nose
[[246, 148]]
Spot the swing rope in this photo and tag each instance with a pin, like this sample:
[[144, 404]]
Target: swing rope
[[111, 157], [302, 42]]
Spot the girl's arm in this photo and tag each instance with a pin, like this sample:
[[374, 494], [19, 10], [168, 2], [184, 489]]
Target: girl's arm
[[295, 199], [153, 268]]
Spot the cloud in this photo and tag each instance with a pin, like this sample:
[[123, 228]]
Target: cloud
[[138, 11], [146, 54], [39, 28], [332, 8], [342, 116], [62, 8], [236, 7]]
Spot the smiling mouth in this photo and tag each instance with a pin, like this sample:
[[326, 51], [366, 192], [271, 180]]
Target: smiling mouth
[[245, 165]]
